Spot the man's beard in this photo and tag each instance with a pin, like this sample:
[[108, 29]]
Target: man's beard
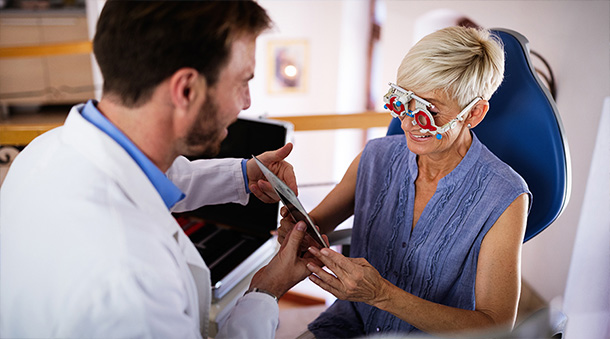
[[204, 137]]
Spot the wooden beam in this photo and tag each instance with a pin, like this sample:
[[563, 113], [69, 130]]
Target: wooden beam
[[337, 121], [20, 134]]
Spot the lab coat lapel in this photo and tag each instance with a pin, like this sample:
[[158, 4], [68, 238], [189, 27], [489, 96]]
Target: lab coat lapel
[[110, 157]]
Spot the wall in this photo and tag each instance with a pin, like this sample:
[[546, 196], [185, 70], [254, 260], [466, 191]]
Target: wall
[[335, 77], [573, 36], [588, 313]]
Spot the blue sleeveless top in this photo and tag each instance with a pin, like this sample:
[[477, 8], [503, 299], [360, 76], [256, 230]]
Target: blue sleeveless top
[[437, 261]]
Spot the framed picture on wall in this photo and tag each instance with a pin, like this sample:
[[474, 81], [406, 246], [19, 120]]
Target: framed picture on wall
[[288, 66]]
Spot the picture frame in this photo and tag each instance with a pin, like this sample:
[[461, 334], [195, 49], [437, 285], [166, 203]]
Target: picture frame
[[288, 66]]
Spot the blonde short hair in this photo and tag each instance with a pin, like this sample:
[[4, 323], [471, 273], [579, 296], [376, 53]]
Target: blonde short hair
[[464, 62]]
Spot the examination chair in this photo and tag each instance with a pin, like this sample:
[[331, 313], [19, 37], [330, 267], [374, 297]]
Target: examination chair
[[523, 128]]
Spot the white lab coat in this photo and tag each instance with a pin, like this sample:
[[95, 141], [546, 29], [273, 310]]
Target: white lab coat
[[88, 248]]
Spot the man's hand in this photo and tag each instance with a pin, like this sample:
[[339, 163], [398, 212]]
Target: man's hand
[[274, 160], [287, 223], [286, 269]]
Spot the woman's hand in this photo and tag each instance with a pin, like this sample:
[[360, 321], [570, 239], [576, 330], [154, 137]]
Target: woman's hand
[[354, 279]]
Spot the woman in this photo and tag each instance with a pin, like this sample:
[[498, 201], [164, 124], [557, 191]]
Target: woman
[[438, 219]]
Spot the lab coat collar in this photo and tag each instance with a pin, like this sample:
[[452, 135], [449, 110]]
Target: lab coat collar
[[109, 157], [167, 190]]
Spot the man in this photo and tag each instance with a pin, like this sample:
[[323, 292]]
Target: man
[[89, 246]]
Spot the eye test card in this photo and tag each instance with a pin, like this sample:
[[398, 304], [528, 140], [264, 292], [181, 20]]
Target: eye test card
[[290, 200]]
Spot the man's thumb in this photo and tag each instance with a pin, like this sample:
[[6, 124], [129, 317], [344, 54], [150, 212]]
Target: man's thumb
[[296, 236], [283, 152]]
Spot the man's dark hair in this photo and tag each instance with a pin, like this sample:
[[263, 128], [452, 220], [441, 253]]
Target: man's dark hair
[[139, 44]]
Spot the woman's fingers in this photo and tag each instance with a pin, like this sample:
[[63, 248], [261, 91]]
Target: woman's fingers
[[336, 262], [354, 279], [325, 280]]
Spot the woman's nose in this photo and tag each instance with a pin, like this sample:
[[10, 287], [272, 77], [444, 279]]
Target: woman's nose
[[411, 105]]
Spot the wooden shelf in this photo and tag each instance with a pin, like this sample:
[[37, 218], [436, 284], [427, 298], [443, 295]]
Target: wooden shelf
[[22, 128]]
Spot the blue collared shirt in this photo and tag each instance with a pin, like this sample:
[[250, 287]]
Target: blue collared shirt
[[169, 192]]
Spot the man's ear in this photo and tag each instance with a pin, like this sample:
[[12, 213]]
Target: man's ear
[[477, 113], [186, 87]]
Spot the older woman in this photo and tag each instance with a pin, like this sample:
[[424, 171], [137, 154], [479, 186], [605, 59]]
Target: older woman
[[439, 220]]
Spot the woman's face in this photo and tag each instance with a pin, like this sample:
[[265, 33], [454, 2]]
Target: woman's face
[[445, 109]]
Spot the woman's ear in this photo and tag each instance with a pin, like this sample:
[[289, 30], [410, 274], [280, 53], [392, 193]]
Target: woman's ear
[[477, 113]]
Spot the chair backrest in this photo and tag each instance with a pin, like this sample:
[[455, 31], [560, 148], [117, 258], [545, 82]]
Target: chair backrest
[[523, 128]]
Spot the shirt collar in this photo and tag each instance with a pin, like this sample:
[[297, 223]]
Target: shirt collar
[[169, 192], [470, 159]]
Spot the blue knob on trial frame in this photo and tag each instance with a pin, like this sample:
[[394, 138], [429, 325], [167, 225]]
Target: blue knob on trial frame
[[398, 104]]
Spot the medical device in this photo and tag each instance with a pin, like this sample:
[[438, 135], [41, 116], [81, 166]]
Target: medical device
[[397, 100]]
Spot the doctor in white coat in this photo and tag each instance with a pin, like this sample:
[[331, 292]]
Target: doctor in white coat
[[88, 245]]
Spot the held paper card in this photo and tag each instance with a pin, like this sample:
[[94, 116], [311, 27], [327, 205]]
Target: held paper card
[[290, 200]]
